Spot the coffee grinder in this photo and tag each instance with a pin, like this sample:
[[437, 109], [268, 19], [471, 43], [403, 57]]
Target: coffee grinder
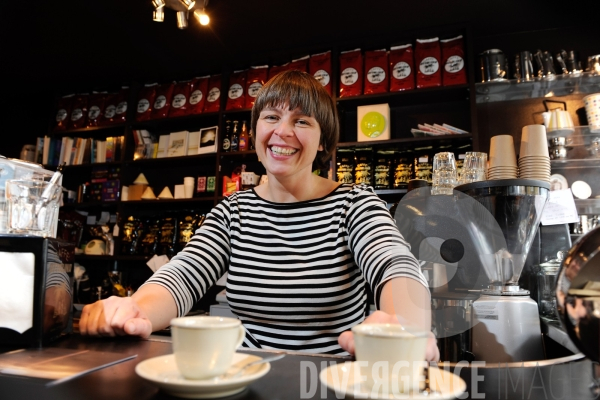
[[472, 247], [507, 324]]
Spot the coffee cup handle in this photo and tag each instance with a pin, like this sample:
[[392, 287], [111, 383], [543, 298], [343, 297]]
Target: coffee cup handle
[[241, 337]]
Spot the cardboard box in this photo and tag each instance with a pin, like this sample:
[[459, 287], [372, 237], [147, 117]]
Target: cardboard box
[[135, 192]]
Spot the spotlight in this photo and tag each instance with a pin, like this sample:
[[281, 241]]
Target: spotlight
[[182, 19], [202, 17], [189, 4], [158, 3], [159, 15]]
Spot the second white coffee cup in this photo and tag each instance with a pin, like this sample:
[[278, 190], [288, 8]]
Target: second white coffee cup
[[204, 346]]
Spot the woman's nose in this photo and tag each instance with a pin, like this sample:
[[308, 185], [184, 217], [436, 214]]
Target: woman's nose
[[284, 128]]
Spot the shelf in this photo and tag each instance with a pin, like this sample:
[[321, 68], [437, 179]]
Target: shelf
[[588, 206], [84, 166], [383, 192], [408, 97], [575, 163], [157, 123], [93, 204], [208, 198], [90, 129], [561, 85], [405, 140], [83, 257], [237, 153], [163, 160], [238, 111]]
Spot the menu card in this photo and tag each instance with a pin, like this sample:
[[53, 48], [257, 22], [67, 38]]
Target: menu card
[[57, 364], [560, 208]]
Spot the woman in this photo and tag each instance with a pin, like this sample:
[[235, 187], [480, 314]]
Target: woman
[[298, 249]]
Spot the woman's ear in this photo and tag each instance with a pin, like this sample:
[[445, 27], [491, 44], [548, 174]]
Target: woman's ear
[[320, 147]]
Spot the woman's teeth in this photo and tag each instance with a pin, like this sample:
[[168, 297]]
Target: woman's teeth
[[282, 151]]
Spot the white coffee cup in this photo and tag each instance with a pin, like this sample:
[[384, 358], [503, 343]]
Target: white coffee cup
[[394, 357], [204, 346]]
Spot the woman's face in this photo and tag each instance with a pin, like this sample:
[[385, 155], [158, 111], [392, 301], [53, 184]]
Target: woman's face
[[287, 141]]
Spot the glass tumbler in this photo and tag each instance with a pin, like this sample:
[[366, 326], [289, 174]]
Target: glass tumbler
[[444, 174], [32, 206], [474, 168]]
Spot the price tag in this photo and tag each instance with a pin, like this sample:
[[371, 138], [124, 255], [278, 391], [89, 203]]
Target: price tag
[[560, 208]]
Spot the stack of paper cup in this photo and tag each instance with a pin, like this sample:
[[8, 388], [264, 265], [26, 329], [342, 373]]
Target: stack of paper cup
[[534, 160], [503, 160], [592, 110]]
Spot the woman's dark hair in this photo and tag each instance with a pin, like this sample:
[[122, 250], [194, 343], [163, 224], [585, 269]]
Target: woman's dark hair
[[297, 89]]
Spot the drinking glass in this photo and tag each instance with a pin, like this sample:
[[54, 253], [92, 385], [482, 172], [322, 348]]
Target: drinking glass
[[444, 174], [474, 167]]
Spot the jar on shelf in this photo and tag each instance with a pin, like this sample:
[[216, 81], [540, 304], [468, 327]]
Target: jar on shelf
[[363, 158], [345, 165], [403, 169], [424, 164], [546, 286], [383, 169]]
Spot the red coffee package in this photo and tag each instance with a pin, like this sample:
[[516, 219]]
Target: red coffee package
[[198, 90], [213, 102], [351, 73], [236, 97], [95, 107], [376, 72], [453, 60], [427, 61], [274, 70], [300, 64], [319, 66], [255, 79], [120, 116], [146, 99], [63, 112], [162, 101], [180, 101], [110, 108], [79, 110], [402, 63]]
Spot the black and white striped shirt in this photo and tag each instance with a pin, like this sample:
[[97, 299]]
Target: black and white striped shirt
[[297, 271]]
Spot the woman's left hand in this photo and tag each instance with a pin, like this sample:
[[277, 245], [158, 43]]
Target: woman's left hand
[[346, 339]]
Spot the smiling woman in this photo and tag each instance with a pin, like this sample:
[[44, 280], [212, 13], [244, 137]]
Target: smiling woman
[[298, 250]]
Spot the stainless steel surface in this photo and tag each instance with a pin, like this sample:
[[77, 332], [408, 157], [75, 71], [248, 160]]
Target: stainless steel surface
[[578, 294]]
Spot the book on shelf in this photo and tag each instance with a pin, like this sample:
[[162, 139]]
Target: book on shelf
[[177, 144], [110, 147], [193, 143], [39, 150], [46, 150], [163, 145], [66, 150]]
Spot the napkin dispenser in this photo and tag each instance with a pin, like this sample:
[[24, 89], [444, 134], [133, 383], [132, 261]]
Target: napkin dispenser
[[36, 289]]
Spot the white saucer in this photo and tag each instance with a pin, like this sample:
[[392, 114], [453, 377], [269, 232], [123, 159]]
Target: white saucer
[[341, 379], [163, 372], [558, 182]]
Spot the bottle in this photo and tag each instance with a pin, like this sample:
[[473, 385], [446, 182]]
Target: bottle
[[234, 137], [226, 140], [250, 140], [243, 144]]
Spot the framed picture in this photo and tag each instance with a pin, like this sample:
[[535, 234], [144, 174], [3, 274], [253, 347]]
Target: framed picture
[[208, 140]]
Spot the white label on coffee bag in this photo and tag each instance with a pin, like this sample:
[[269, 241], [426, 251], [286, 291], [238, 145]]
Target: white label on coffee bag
[[160, 102], [376, 75], [94, 112], [213, 95], [429, 66], [76, 114], [254, 88], [110, 111], [323, 77], [349, 76], [143, 106], [454, 64], [61, 115], [195, 97], [121, 107], [179, 100], [235, 91], [401, 70]]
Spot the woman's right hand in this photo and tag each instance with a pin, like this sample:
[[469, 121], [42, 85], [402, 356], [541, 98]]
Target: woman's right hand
[[115, 316]]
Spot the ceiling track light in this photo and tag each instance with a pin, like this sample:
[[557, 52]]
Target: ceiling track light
[[182, 17], [189, 4], [158, 3], [202, 16], [159, 15]]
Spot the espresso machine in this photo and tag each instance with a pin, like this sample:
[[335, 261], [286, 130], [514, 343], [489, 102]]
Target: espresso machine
[[472, 246]]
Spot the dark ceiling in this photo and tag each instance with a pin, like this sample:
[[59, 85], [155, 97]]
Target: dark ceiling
[[67, 45]]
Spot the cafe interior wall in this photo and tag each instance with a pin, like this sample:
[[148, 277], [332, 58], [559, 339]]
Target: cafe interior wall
[[56, 48]]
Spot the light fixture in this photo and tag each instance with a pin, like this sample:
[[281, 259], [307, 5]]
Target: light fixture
[[158, 3], [159, 15], [189, 4], [182, 17], [202, 16]]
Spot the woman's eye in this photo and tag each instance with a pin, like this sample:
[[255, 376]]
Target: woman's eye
[[302, 122]]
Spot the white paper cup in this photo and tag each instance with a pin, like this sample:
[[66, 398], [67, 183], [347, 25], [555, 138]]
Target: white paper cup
[[592, 110], [204, 346], [391, 357], [534, 141], [188, 190], [502, 152]]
